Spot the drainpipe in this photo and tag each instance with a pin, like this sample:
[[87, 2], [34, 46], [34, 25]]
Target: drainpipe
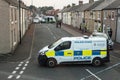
[[116, 24], [19, 21]]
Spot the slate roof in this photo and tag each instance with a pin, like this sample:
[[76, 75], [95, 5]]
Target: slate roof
[[114, 5], [13, 2], [74, 8], [95, 4], [66, 9], [104, 4], [16, 3], [84, 7]]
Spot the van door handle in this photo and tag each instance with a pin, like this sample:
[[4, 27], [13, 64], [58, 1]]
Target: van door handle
[[69, 53]]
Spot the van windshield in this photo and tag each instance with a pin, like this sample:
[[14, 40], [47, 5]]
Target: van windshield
[[55, 44]]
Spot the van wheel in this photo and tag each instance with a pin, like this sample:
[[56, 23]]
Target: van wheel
[[51, 62], [97, 62]]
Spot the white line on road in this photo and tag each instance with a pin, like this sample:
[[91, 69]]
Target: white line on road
[[17, 68], [93, 74], [23, 68], [21, 72], [18, 76], [25, 64], [14, 72], [108, 68], [51, 33], [10, 76], [20, 65]]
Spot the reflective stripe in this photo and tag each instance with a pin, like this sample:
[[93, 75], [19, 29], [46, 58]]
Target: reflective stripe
[[96, 52], [68, 53], [103, 53], [77, 53], [50, 53], [87, 53], [59, 53]]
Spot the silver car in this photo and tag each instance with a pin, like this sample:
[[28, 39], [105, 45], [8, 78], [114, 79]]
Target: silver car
[[100, 34]]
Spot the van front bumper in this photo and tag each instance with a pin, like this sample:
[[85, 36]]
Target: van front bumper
[[42, 59]]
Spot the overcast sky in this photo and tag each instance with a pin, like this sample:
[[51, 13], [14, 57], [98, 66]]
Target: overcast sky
[[58, 4]]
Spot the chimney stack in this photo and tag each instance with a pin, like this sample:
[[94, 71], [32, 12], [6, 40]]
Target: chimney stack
[[80, 2], [73, 4], [91, 1]]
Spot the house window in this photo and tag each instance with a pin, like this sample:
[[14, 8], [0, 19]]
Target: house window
[[112, 15], [15, 12], [98, 15], [11, 14], [105, 15], [93, 15], [14, 34]]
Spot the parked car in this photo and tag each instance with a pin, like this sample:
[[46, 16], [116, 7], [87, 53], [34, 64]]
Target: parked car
[[50, 19], [42, 20], [99, 34], [36, 20]]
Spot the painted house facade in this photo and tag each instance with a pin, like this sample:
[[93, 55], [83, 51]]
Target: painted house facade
[[9, 25]]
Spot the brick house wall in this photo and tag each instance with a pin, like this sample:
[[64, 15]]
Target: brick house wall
[[108, 20]]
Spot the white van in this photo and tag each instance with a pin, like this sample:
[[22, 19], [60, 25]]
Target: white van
[[92, 50]]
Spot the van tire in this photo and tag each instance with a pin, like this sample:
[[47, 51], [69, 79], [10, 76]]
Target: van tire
[[51, 62], [97, 62]]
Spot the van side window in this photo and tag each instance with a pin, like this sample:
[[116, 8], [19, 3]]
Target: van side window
[[63, 46]]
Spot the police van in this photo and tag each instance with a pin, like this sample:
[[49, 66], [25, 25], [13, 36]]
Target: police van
[[76, 50]]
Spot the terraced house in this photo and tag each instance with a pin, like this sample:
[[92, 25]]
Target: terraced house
[[9, 24], [111, 18]]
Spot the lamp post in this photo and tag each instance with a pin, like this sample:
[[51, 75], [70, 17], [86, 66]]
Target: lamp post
[[19, 20]]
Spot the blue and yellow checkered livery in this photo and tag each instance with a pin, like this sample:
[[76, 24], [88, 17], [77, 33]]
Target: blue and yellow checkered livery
[[68, 53]]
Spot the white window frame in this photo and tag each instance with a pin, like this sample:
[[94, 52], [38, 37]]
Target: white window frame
[[112, 15], [105, 15], [98, 15]]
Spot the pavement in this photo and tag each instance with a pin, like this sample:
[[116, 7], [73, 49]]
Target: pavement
[[22, 52]]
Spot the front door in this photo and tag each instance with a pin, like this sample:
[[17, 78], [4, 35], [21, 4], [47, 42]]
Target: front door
[[118, 30], [63, 52]]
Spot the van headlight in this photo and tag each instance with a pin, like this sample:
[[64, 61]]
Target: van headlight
[[42, 53]]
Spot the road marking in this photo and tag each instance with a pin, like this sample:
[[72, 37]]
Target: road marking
[[21, 72], [25, 64], [23, 68], [14, 72], [93, 74], [18, 76], [10, 76], [20, 65], [108, 68], [17, 68], [51, 33]]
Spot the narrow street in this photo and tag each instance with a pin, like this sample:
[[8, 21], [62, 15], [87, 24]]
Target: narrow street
[[29, 69]]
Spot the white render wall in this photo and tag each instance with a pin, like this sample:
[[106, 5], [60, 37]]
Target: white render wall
[[4, 28]]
